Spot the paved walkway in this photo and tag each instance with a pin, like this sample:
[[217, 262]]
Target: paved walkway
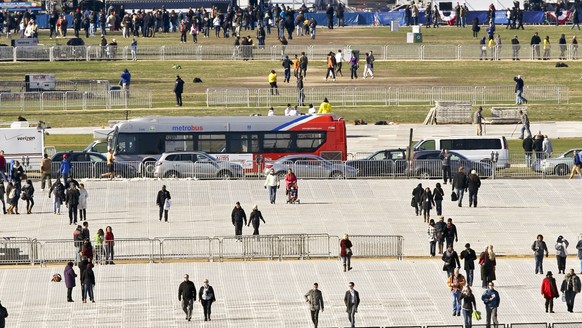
[[270, 294], [510, 213]]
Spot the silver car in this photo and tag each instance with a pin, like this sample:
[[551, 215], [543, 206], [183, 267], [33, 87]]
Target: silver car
[[311, 166], [561, 165], [195, 164]]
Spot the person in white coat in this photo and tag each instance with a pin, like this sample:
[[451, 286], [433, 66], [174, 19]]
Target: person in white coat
[[83, 195], [272, 183]]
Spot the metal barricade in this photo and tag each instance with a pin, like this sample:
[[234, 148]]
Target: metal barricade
[[33, 53], [15, 250], [567, 324], [528, 325], [377, 246], [227, 97], [450, 326], [249, 247], [58, 250], [440, 52], [53, 100], [137, 249], [401, 51], [65, 53], [186, 248], [314, 245]]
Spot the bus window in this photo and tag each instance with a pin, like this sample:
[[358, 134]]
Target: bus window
[[276, 142], [309, 142], [212, 143], [427, 145], [238, 143], [178, 142]]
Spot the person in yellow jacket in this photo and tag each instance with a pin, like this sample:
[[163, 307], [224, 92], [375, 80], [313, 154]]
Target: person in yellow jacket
[[325, 107], [295, 62], [547, 48], [273, 82], [491, 46], [456, 283]]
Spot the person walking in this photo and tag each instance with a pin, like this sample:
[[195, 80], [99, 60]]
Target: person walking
[[163, 202], [98, 239], [550, 291], [577, 165], [579, 248], [469, 256], [488, 262], [369, 67], [540, 248], [491, 299], [474, 183], [524, 120], [427, 203], [339, 59], [178, 90], [239, 218], [331, 64], [478, 120], [206, 297], [300, 91], [450, 233], [346, 252], [460, 185], [456, 282], [272, 78], [110, 165], [315, 299], [70, 276], [125, 81], [187, 295], [45, 172], [72, 201], [451, 261], [417, 198], [83, 195], [3, 316], [354, 66], [440, 233], [109, 245], [88, 278], [469, 305], [65, 170], [352, 301], [445, 157], [519, 99], [272, 183], [570, 287], [438, 194], [561, 253], [255, 218], [28, 195], [432, 237]]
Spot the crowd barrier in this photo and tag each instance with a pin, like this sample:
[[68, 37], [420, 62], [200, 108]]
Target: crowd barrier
[[75, 100], [517, 165], [386, 95], [191, 51], [16, 250]]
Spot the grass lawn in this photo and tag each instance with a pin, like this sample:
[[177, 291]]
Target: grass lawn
[[159, 76]]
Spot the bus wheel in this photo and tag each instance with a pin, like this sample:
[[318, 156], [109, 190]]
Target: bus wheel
[[225, 175], [148, 168]]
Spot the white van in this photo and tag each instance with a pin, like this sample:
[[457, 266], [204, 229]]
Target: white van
[[475, 148]]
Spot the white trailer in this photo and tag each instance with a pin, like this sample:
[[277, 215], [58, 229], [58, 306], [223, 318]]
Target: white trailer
[[22, 141]]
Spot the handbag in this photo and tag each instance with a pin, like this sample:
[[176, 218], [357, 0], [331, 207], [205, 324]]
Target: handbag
[[564, 297], [477, 315], [349, 252], [167, 204], [454, 196], [413, 202]]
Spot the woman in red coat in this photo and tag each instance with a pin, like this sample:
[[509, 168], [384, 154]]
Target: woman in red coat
[[550, 291], [346, 252]]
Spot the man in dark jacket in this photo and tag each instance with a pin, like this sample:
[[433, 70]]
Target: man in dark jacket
[[460, 185], [446, 165], [329, 13], [352, 301], [187, 295], [527, 145], [72, 201], [469, 256], [161, 199], [417, 193], [88, 279], [451, 259], [535, 42], [178, 90], [538, 144], [239, 217], [450, 233]]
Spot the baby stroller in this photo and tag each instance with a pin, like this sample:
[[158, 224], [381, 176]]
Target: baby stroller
[[292, 194]]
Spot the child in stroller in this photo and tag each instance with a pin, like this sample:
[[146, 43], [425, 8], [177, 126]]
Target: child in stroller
[[292, 194]]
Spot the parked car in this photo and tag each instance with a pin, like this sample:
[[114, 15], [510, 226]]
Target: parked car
[[385, 162], [311, 166], [91, 165], [195, 164], [561, 165], [427, 164]]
